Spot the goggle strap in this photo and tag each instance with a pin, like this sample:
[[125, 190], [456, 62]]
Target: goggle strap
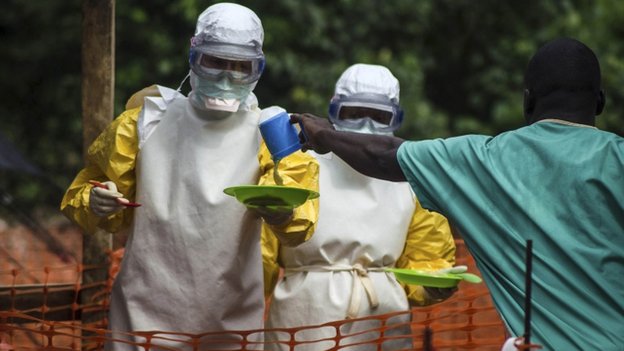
[[374, 106]]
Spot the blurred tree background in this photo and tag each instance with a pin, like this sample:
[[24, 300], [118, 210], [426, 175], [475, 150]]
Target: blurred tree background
[[460, 64]]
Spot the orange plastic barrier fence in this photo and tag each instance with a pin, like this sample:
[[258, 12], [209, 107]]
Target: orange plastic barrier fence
[[50, 315]]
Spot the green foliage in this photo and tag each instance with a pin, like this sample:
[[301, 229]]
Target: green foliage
[[460, 64], [40, 92]]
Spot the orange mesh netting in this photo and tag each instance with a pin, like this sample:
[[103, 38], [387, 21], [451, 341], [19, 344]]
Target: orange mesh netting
[[43, 308]]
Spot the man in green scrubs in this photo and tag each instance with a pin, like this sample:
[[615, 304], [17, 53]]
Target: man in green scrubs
[[558, 181]]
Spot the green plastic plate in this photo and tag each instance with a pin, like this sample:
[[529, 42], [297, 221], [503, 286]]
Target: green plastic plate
[[272, 196], [416, 277]]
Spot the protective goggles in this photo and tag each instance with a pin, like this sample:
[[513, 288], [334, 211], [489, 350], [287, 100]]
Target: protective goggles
[[352, 111], [216, 67]]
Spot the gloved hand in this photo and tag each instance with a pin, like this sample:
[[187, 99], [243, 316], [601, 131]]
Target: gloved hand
[[439, 293], [273, 216], [444, 293], [509, 344], [455, 269], [103, 202]]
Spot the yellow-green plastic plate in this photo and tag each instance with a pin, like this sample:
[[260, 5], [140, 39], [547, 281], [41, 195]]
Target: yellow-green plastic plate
[[416, 277], [272, 196]]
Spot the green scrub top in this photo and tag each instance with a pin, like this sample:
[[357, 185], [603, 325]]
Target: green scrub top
[[558, 184]]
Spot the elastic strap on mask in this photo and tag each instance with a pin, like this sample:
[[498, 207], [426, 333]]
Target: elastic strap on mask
[[188, 75]]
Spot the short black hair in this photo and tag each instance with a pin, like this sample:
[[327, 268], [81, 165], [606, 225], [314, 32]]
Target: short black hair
[[565, 66]]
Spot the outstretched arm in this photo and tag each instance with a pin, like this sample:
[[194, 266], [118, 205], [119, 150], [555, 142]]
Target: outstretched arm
[[371, 155]]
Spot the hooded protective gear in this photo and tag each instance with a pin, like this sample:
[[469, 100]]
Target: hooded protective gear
[[365, 225], [188, 234], [195, 249], [226, 57], [366, 100]]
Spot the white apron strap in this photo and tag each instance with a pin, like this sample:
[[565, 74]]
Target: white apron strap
[[359, 273]]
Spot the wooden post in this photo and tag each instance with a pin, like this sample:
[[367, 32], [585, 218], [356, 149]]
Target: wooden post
[[98, 67], [98, 80]]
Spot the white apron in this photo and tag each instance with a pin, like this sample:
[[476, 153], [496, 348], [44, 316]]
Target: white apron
[[362, 227], [192, 263]]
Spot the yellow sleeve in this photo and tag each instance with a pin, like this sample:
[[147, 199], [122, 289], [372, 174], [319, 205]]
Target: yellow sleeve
[[429, 246], [270, 265], [297, 170], [111, 157]]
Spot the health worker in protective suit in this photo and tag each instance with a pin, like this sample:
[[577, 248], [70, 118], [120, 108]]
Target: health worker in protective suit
[[365, 225], [192, 261]]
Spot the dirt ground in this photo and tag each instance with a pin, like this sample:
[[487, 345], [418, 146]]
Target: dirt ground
[[26, 252]]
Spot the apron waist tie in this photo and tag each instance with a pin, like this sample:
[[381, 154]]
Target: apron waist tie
[[359, 273]]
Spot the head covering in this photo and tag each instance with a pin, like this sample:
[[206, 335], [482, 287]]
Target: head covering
[[365, 78], [225, 31], [230, 30], [365, 87]]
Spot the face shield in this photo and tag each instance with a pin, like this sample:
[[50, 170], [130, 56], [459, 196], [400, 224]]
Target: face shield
[[365, 111], [215, 67]]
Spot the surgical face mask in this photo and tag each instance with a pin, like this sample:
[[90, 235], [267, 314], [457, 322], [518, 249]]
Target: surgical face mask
[[365, 126], [219, 95]]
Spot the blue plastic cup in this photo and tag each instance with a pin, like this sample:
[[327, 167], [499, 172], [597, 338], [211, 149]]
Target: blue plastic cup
[[281, 137]]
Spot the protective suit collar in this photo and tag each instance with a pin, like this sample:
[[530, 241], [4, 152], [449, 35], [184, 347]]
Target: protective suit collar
[[155, 100]]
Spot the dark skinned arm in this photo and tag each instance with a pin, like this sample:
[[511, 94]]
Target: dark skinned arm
[[372, 155]]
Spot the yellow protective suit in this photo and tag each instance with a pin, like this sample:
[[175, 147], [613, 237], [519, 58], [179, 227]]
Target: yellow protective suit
[[365, 225], [192, 260], [112, 156]]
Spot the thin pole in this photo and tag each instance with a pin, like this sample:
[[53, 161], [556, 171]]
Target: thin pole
[[527, 295], [428, 339], [98, 73]]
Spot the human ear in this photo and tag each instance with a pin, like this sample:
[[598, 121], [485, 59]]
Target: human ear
[[528, 105], [601, 102]]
